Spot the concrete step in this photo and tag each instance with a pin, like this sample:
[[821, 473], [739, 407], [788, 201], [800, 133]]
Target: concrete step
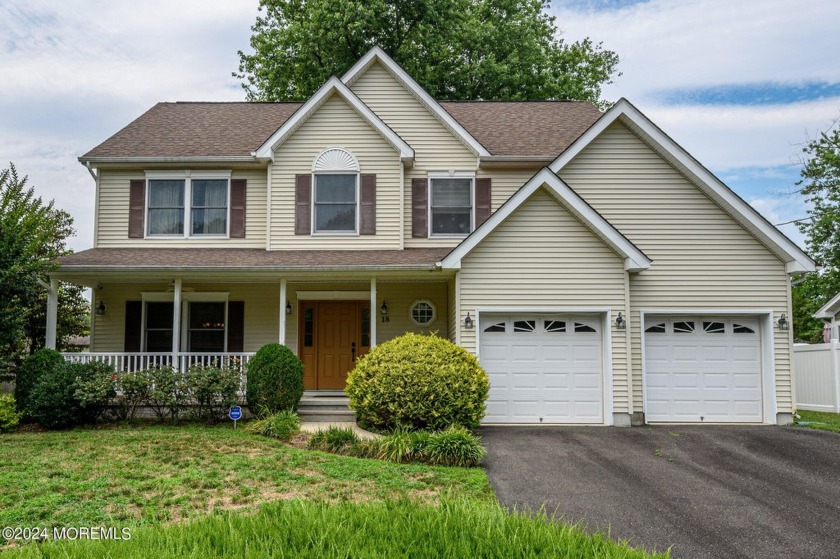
[[326, 415]]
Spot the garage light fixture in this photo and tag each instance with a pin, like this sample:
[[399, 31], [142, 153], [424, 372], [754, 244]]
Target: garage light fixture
[[468, 322], [620, 323], [783, 323]]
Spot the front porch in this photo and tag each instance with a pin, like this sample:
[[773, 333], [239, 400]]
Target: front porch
[[186, 321]]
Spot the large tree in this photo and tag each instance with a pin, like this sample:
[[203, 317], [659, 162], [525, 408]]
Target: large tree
[[820, 184], [33, 234], [455, 49]]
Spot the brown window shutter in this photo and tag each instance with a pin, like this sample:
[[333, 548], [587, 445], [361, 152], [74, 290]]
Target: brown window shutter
[[236, 326], [303, 204], [237, 208], [482, 201], [367, 206], [133, 325], [419, 208], [137, 209]]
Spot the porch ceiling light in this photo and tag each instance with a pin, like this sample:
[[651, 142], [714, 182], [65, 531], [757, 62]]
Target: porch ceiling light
[[384, 308], [100, 308], [620, 323], [783, 323], [288, 307], [468, 322]]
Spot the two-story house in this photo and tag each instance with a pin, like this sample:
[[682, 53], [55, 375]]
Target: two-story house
[[599, 272]]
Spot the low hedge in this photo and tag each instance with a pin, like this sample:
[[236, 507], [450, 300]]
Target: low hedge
[[418, 382]]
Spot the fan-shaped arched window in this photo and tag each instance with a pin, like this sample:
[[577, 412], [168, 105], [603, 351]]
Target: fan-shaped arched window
[[336, 192]]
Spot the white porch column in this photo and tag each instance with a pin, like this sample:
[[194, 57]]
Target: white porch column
[[52, 314], [176, 322], [282, 319], [374, 312]]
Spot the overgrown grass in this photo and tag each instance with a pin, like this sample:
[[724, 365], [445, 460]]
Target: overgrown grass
[[454, 528], [130, 476], [823, 421]]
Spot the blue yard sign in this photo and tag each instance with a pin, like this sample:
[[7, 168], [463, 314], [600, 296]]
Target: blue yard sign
[[235, 414]]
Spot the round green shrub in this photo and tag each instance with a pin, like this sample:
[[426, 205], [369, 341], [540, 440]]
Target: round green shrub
[[275, 380], [418, 382], [52, 401], [27, 375]]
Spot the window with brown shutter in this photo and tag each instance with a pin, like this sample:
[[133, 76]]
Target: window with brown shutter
[[133, 325], [419, 208], [236, 326], [137, 209], [238, 189], [367, 216], [303, 204]]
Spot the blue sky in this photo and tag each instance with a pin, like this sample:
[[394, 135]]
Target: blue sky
[[741, 85]]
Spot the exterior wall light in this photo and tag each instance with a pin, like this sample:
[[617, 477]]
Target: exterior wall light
[[620, 323], [288, 307], [100, 308], [783, 323], [384, 308], [468, 322]]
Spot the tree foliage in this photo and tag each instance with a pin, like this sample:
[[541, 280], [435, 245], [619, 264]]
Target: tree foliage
[[455, 49], [820, 184], [32, 235]]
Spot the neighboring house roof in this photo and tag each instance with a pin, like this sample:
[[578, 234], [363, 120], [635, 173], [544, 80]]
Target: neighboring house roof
[[195, 130], [830, 309], [376, 54], [534, 128], [623, 111], [634, 259], [193, 259], [334, 87]]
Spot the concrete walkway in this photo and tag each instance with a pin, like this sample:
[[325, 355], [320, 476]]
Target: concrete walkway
[[315, 426]]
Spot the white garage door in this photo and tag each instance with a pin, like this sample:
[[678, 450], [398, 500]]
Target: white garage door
[[702, 369], [542, 368]]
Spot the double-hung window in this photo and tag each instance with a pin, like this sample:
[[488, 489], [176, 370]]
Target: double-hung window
[[192, 206], [451, 205], [335, 205]]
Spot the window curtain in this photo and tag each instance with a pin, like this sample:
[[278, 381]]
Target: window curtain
[[166, 207], [209, 207]]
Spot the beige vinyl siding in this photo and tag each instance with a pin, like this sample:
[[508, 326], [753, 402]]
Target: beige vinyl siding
[[505, 182], [542, 257], [261, 304], [702, 258], [436, 147], [112, 230], [399, 295], [335, 124]]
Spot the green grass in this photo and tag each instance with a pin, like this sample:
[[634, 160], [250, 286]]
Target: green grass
[[130, 476], [454, 528], [823, 421]]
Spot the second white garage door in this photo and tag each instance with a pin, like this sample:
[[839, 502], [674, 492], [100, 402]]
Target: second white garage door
[[703, 369], [542, 368]]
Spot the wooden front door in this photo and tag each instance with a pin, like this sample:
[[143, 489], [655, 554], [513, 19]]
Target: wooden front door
[[332, 335]]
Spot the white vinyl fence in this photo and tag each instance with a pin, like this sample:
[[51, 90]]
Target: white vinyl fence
[[817, 376]]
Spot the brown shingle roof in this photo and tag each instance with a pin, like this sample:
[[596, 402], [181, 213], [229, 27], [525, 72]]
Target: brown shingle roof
[[535, 128], [237, 258], [196, 130]]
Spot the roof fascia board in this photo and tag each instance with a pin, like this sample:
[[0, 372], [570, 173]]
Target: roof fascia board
[[377, 54], [634, 259], [187, 159], [830, 309], [796, 260], [334, 85]]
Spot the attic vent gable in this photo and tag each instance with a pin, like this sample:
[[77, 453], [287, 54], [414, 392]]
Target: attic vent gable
[[335, 160]]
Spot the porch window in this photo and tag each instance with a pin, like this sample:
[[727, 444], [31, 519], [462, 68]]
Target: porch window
[[335, 204], [207, 327], [158, 333], [451, 206]]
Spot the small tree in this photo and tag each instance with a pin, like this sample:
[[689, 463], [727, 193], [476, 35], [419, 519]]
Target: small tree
[[275, 380]]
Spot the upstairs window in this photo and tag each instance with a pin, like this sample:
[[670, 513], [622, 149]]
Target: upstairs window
[[335, 203], [451, 207], [187, 207]]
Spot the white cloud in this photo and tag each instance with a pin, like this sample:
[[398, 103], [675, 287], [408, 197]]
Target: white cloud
[[782, 210]]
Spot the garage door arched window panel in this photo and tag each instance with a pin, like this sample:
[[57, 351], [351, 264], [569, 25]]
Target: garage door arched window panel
[[684, 327], [497, 327], [422, 312], [658, 328], [556, 326], [739, 328], [524, 325], [714, 327], [581, 328]]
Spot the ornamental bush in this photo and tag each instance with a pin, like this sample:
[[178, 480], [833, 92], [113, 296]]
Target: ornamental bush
[[94, 385], [133, 390], [27, 375], [418, 382], [52, 400], [213, 390], [454, 446], [167, 392], [282, 425], [275, 380], [9, 416]]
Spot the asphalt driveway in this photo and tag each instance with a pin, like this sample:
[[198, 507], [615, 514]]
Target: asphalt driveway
[[705, 491]]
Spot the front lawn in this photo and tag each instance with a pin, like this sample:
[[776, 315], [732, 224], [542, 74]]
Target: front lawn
[[128, 476], [453, 528], [823, 421]]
